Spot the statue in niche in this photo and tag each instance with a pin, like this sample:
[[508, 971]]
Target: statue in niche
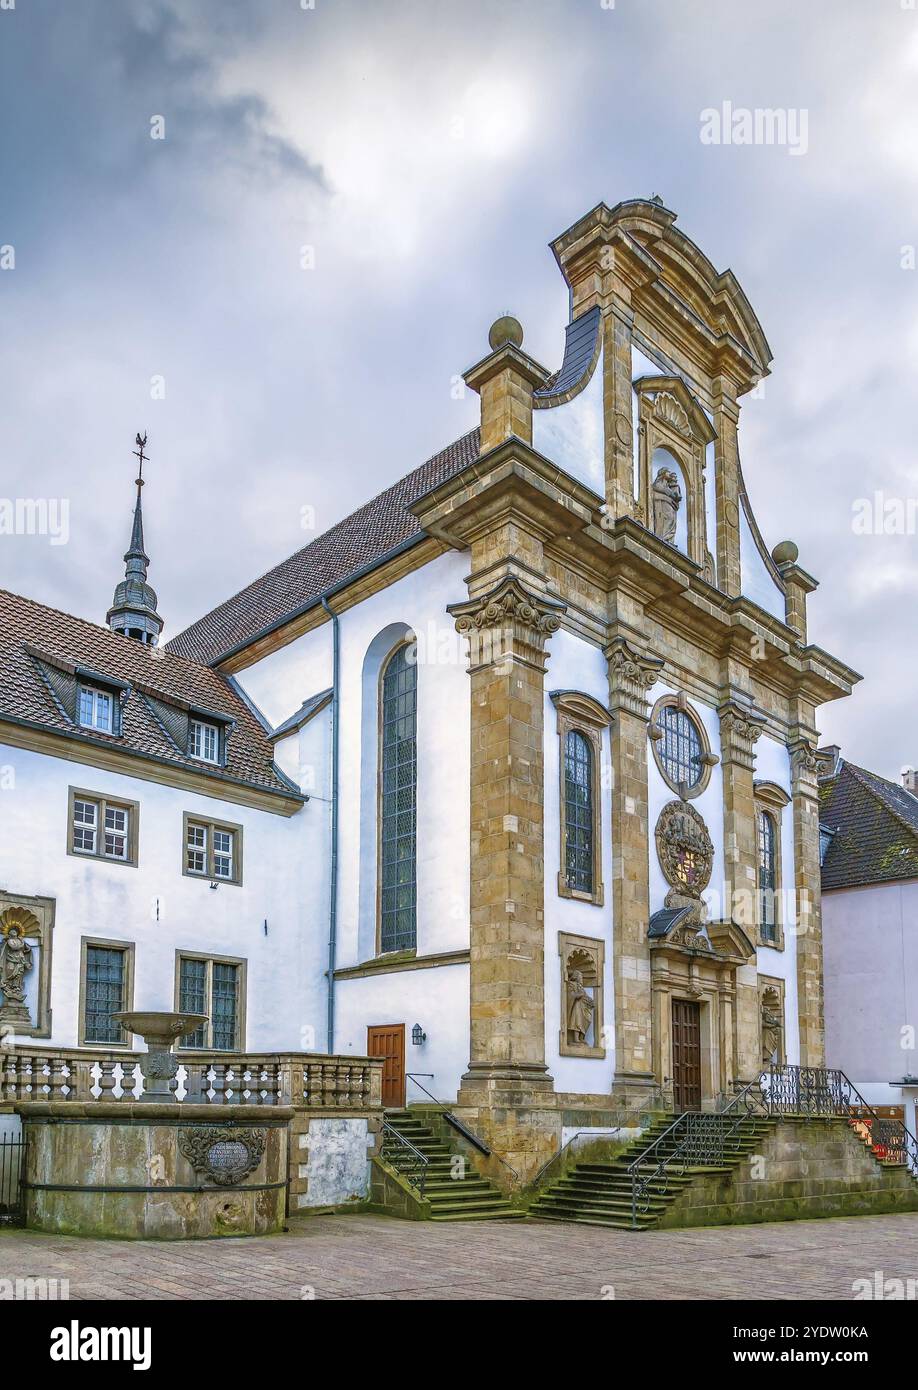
[[772, 1029], [15, 960], [580, 1008], [667, 498]]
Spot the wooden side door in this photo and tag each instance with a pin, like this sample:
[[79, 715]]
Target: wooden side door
[[387, 1040], [686, 1055]]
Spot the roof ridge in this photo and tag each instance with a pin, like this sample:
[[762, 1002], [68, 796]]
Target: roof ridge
[[861, 774], [366, 534]]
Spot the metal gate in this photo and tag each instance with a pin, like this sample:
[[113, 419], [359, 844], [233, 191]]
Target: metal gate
[[12, 1179]]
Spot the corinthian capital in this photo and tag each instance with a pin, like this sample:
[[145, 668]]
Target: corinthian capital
[[740, 728], [508, 624], [631, 675]]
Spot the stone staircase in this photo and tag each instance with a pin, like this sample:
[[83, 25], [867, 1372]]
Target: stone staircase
[[451, 1198], [599, 1194], [803, 1167]]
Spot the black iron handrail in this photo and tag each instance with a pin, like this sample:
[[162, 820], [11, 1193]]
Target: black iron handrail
[[706, 1137], [404, 1157], [581, 1133], [460, 1128], [793, 1090]]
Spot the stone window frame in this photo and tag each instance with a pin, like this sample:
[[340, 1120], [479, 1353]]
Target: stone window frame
[[777, 985], [103, 801], [189, 818], [128, 950], [770, 799], [241, 963], [568, 945], [709, 760], [581, 714]]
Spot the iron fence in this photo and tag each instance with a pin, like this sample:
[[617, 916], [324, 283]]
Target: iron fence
[[12, 1177]]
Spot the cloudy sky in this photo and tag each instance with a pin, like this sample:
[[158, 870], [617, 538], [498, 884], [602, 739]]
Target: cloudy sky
[[283, 288]]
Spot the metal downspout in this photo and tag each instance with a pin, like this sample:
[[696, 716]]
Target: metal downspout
[[333, 880]]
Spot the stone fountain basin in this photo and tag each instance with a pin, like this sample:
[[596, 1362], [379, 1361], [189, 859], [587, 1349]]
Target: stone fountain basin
[[160, 1029]]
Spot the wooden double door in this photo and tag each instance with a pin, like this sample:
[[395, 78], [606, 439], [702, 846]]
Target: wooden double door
[[686, 1055], [387, 1040]]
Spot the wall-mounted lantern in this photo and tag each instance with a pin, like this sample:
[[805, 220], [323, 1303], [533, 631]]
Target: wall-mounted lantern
[[418, 1035]]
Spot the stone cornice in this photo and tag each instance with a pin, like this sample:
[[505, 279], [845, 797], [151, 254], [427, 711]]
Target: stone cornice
[[509, 623]]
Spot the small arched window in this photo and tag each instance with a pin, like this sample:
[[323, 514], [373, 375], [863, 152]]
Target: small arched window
[[767, 875], [578, 812], [680, 746], [398, 802]]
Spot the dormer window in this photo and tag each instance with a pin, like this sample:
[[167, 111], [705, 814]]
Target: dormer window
[[97, 709], [204, 741]]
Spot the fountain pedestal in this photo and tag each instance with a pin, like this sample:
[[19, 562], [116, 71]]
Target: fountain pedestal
[[160, 1032]]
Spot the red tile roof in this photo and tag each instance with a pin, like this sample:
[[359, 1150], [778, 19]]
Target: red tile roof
[[40, 645], [360, 541], [875, 829]]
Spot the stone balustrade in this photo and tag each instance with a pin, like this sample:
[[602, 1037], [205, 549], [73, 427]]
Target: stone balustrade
[[301, 1079]]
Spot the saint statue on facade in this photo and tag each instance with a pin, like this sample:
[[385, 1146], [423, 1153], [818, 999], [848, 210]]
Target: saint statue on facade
[[579, 1008], [15, 960], [667, 498]]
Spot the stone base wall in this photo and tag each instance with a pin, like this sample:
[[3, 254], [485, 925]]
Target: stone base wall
[[118, 1170], [805, 1169], [393, 1195]]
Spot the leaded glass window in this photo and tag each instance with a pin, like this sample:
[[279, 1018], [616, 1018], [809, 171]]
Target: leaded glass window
[[578, 812], [103, 994], [398, 803], [680, 750], [211, 987], [768, 876], [224, 992], [193, 997]]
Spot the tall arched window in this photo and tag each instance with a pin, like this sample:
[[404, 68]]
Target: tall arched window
[[398, 767], [768, 875], [578, 812]]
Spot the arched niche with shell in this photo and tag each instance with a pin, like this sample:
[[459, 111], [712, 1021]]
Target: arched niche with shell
[[673, 435]]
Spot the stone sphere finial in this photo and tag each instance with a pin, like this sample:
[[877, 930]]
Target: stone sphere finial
[[506, 329], [785, 553]]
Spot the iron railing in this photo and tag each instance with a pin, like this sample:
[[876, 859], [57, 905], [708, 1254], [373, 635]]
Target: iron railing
[[12, 1178], [402, 1155], [703, 1138], [468, 1134]]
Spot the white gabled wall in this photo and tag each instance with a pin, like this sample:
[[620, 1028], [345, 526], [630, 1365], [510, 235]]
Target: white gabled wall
[[772, 764]]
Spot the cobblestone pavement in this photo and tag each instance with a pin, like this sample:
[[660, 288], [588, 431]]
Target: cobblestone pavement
[[372, 1257]]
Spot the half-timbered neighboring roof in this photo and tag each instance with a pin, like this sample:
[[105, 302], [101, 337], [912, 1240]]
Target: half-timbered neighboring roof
[[362, 540], [46, 654], [874, 825]]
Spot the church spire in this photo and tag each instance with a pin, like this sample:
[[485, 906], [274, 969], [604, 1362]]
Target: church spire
[[133, 611]]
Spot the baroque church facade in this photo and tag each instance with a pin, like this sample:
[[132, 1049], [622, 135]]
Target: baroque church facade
[[509, 778]]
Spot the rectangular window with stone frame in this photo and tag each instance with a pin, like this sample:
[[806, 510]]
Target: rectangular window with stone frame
[[770, 800], [212, 850], [215, 986], [106, 988], [102, 827]]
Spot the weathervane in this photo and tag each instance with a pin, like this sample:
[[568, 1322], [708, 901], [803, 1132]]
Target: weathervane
[[141, 441]]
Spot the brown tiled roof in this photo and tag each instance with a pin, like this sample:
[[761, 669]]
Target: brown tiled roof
[[40, 648], [361, 540], [875, 825]]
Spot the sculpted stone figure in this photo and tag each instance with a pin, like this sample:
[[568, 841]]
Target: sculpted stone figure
[[667, 497], [579, 1008], [15, 960]]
